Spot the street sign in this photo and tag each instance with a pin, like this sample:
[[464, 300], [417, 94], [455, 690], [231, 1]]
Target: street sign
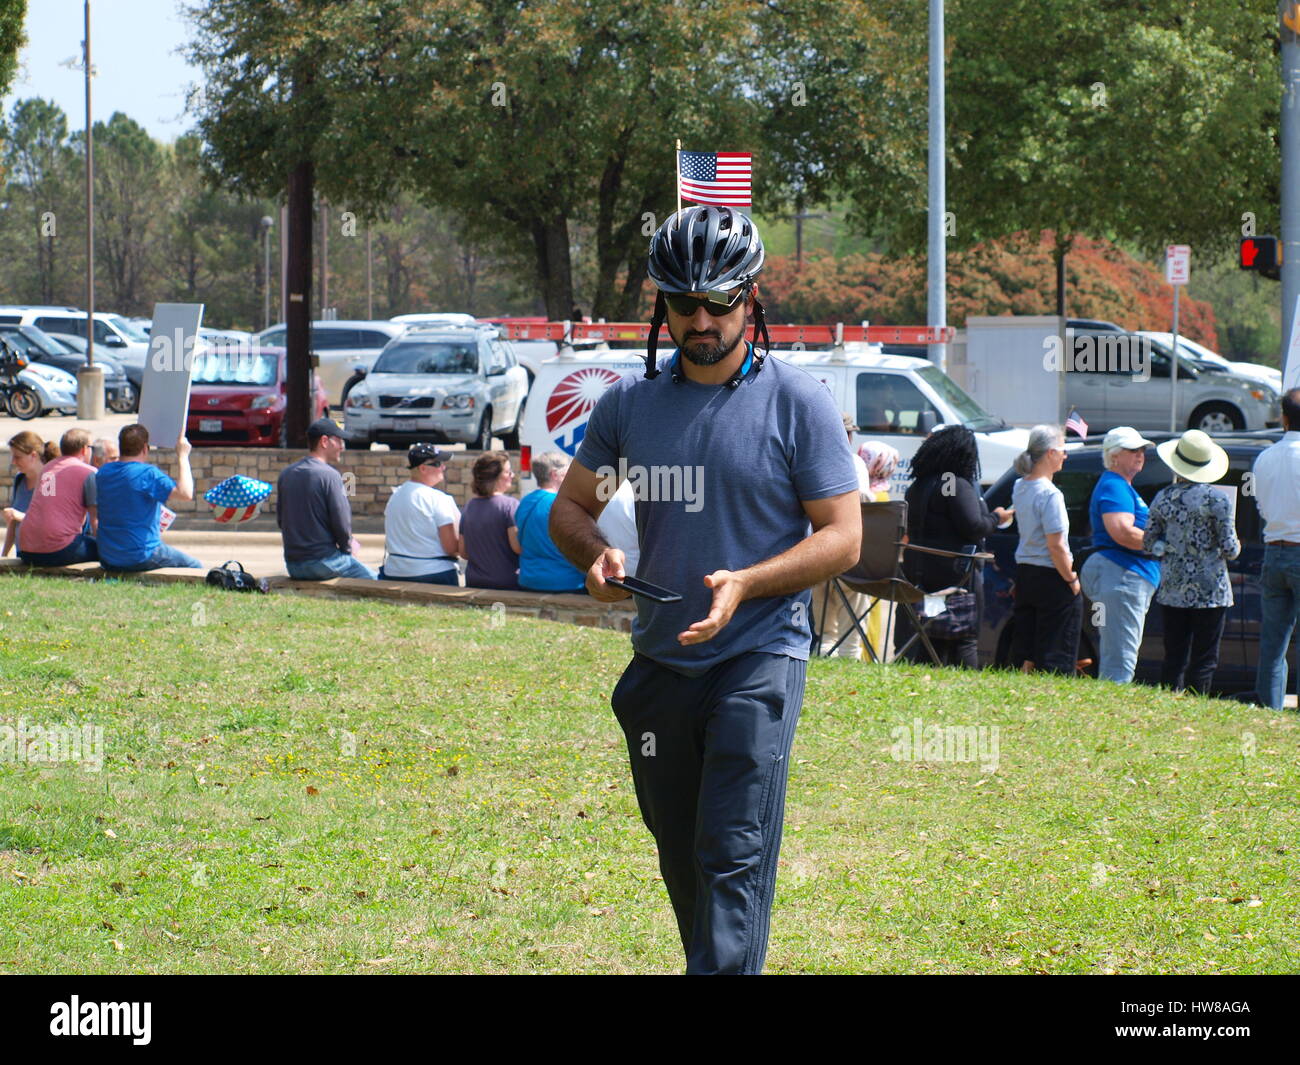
[[1178, 263]]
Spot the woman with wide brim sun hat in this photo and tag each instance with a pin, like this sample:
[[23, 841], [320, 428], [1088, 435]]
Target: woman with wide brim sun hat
[[1191, 530]]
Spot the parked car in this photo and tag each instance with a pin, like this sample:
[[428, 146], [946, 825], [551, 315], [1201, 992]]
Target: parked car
[[238, 394], [134, 374], [32, 388], [120, 395], [340, 347], [442, 384], [1239, 651], [1106, 383], [123, 341], [1202, 354]]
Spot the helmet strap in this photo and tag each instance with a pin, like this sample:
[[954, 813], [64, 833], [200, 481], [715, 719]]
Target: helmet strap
[[652, 343], [760, 325]]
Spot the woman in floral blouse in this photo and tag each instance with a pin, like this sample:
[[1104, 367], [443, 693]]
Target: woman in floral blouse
[[1191, 531]]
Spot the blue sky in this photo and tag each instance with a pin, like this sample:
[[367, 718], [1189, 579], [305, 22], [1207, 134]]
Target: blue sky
[[134, 47]]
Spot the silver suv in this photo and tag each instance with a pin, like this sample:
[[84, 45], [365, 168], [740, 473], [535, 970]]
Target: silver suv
[[441, 384]]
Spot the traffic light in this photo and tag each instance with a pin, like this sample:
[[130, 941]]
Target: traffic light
[[1262, 254]]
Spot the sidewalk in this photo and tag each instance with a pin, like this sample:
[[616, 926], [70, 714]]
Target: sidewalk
[[259, 548]]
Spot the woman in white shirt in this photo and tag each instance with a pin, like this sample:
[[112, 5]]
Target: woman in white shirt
[[1049, 608]]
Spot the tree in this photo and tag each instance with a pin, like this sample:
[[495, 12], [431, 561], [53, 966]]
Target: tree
[[38, 162], [532, 121], [1147, 121]]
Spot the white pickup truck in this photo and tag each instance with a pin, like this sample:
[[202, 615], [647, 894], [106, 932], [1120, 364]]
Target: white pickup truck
[[895, 398]]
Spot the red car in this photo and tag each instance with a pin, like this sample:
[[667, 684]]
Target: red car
[[237, 397]]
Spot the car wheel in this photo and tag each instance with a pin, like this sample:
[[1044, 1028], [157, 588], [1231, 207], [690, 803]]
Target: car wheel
[[1216, 418], [483, 440], [282, 440], [24, 404], [124, 400], [511, 439]]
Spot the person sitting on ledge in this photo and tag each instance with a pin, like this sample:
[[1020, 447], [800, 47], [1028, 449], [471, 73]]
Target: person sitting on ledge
[[61, 517], [130, 494], [313, 513], [421, 524]]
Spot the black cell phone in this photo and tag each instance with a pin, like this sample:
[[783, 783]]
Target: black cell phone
[[637, 586]]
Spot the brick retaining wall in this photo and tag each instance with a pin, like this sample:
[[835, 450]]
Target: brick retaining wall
[[373, 473]]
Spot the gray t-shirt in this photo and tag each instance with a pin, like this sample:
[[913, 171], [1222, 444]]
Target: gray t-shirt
[[312, 510], [718, 475], [1040, 511]]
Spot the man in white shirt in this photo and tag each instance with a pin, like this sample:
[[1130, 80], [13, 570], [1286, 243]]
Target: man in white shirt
[[1277, 494], [421, 524]]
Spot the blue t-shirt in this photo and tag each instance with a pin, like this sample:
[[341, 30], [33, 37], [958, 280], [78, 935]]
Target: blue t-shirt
[[719, 475], [20, 497], [1114, 495], [130, 498], [541, 567]]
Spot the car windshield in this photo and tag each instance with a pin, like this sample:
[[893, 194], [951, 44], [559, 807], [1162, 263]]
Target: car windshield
[[128, 330], [972, 415], [432, 356], [26, 339], [234, 367]]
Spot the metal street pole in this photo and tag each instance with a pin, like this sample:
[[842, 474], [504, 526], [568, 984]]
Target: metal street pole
[[937, 262], [370, 283], [267, 223], [90, 378], [1289, 14], [1173, 370]]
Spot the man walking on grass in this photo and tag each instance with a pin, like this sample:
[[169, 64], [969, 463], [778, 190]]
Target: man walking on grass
[[711, 698]]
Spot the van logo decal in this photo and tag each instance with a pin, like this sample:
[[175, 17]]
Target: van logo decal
[[571, 403]]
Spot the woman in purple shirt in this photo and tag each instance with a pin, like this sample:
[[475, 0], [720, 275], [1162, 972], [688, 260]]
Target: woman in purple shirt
[[487, 534]]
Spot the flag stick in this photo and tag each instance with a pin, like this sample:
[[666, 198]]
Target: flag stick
[[679, 176]]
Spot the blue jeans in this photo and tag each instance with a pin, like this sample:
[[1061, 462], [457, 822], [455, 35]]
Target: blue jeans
[[709, 758], [163, 558], [1279, 593], [445, 577], [335, 565], [1125, 596], [82, 549]]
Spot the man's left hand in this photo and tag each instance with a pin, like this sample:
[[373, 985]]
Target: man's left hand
[[729, 590]]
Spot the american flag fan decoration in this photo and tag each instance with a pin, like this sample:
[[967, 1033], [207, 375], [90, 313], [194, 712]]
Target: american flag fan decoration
[[719, 178], [236, 499], [1075, 423]]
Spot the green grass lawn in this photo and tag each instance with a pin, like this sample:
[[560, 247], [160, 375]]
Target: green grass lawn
[[305, 785]]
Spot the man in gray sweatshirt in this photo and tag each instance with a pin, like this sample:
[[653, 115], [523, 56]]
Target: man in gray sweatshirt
[[313, 513]]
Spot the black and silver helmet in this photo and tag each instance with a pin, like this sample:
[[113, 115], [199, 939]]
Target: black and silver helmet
[[703, 248]]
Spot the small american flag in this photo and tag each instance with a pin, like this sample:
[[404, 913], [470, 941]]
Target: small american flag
[[721, 178], [1075, 423]]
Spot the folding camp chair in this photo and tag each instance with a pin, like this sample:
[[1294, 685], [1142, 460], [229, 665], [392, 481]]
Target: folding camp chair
[[879, 574]]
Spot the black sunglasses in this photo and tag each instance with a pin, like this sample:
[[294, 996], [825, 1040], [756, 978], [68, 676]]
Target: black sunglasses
[[717, 303]]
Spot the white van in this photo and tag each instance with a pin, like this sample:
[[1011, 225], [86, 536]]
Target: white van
[[895, 398]]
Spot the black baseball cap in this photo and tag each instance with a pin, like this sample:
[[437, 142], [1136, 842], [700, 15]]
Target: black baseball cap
[[419, 454], [324, 427]]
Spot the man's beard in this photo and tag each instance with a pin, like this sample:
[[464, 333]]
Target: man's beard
[[705, 349]]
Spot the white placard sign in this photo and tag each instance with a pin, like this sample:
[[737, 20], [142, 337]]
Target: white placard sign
[[165, 390]]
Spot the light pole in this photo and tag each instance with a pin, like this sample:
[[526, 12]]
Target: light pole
[[937, 260], [267, 223], [90, 378]]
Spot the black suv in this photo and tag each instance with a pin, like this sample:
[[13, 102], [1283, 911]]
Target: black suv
[[1239, 651]]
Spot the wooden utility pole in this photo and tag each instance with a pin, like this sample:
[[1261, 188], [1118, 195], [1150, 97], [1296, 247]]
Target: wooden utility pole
[[298, 310]]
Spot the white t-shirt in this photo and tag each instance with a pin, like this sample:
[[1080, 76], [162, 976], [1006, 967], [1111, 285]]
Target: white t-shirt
[[617, 524], [412, 519]]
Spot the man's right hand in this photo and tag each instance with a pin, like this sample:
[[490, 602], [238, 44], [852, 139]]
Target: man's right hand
[[183, 446], [608, 564]]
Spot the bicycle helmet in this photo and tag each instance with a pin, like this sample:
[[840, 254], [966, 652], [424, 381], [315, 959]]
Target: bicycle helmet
[[703, 248]]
